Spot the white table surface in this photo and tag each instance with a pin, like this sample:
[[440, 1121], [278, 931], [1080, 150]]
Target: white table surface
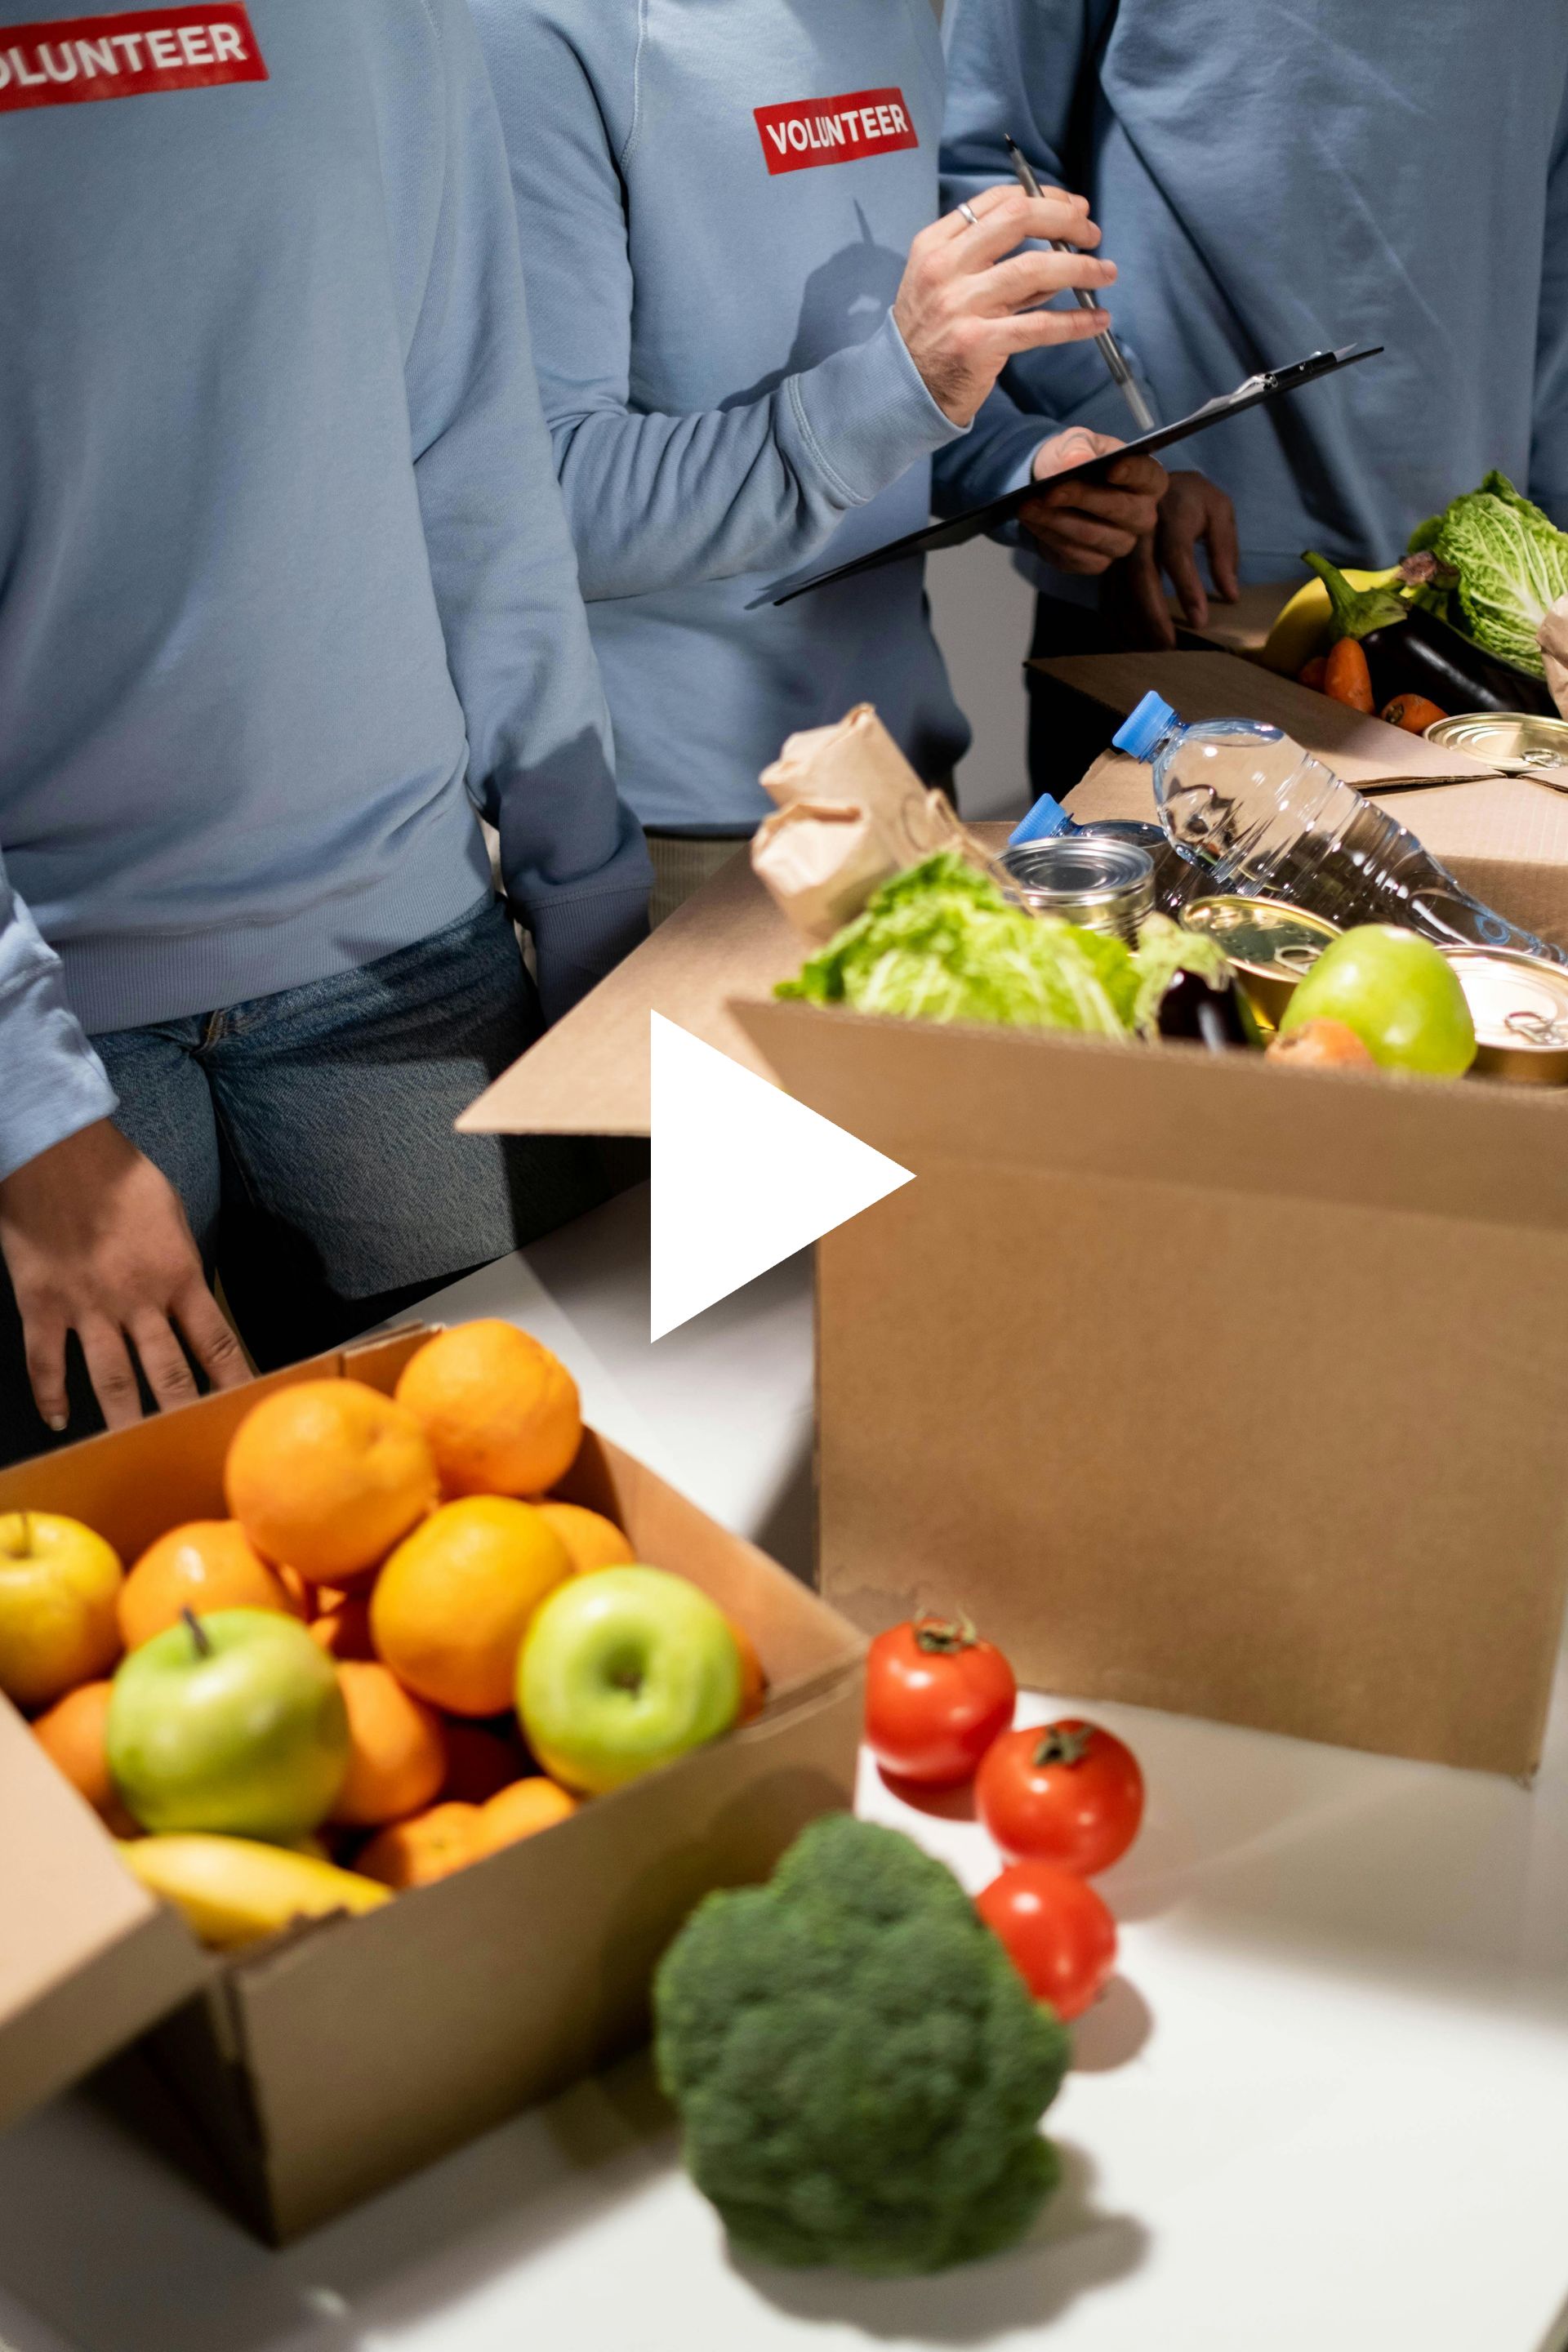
[[1324, 2104]]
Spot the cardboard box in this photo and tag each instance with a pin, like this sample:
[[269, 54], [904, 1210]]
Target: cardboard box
[[1219, 1386], [1506, 839], [1202, 1384], [326, 2063]]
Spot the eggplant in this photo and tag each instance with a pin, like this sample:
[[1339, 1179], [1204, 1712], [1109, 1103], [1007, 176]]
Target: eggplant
[[1423, 655], [1217, 1017]]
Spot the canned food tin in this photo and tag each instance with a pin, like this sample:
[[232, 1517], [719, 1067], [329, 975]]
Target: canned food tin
[[1520, 1006], [1270, 943], [1103, 884], [1516, 742]]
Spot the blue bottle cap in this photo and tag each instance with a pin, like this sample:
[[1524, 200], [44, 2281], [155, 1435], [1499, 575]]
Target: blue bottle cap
[[1143, 728], [1046, 818]]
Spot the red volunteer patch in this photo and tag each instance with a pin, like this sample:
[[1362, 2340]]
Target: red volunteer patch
[[812, 131], [128, 55]]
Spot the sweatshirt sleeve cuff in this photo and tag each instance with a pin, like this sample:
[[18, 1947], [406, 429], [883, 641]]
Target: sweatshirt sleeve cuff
[[56, 1085], [577, 941], [866, 416]]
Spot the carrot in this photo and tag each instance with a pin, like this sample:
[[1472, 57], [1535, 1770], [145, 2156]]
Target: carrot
[[1413, 712], [1347, 678], [1313, 673]]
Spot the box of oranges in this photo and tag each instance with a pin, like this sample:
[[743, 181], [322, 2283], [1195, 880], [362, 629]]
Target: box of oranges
[[366, 1733]]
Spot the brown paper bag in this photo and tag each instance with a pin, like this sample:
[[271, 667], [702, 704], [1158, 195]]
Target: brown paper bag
[[1552, 639], [851, 813]]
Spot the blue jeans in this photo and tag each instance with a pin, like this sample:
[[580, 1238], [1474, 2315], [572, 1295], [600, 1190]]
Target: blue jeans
[[310, 1137]]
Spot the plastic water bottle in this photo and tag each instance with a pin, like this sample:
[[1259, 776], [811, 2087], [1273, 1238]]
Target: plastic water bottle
[[1269, 821]]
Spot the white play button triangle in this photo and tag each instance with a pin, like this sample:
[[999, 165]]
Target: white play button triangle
[[743, 1175]]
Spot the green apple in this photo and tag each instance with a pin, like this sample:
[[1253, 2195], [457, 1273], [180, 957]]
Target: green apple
[[622, 1670], [232, 1722], [1400, 995]]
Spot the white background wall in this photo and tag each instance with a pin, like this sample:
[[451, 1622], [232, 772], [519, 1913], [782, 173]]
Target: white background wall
[[983, 614]]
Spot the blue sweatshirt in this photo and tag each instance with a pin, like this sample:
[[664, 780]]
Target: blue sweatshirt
[[716, 199], [282, 555], [1275, 177]]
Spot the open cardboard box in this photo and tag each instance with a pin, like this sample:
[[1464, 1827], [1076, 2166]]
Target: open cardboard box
[[327, 2061], [1220, 1387]]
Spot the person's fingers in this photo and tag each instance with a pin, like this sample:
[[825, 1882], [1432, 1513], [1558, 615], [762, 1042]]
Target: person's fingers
[[1073, 528], [44, 1340], [1029, 278], [108, 1367], [1146, 476], [163, 1359], [1176, 546], [210, 1335], [1140, 584], [1225, 551], [1006, 217], [1073, 448], [1033, 330], [1067, 528], [1123, 508]]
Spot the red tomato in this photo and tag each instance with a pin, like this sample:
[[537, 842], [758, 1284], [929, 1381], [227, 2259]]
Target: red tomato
[[1064, 1792], [1057, 1933], [936, 1696]]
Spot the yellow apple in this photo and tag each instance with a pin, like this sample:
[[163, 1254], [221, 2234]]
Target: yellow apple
[[58, 1586]]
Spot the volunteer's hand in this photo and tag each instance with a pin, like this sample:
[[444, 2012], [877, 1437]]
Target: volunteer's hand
[[1086, 526], [1192, 508], [958, 307], [97, 1243]]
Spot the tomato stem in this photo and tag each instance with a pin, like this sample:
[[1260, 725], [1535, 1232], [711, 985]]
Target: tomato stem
[[942, 1636], [1063, 1743]]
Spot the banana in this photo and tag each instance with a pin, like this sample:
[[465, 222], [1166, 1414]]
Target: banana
[[1301, 628], [231, 1890]]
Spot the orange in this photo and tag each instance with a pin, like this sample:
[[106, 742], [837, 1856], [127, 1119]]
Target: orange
[[413, 1852], [592, 1540], [206, 1564], [500, 1410], [397, 1758], [343, 1629], [479, 1763], [58, 1586], [519, 1811], [72, 1733], [753, 1681], [328, 1475], [451, 1606]]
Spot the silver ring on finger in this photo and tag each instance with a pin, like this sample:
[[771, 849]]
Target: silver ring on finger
[[968, 212]]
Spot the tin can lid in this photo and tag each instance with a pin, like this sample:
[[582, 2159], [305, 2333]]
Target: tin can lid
[[1514, 740], [1080, 869], [1262, 934], [1518, 1002]]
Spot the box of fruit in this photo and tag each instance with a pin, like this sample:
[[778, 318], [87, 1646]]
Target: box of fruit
[[368, 1734]]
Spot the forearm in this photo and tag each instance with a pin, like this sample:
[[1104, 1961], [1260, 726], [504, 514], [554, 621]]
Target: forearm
[[52, 1083], [658, 502]]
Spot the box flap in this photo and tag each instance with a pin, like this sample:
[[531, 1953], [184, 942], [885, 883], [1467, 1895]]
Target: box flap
[[589, 1074], [88, 1959], [1223, 685], [1078, 1107], [1242, 627]]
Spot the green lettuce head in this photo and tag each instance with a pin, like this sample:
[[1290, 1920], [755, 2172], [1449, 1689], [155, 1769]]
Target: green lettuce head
[[939, 942], [1512, 564]]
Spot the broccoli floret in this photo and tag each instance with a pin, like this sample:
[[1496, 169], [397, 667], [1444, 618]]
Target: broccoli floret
[[858, 2067]]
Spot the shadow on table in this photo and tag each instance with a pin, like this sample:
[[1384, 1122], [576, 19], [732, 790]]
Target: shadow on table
[[107, 2248], [1075, 2249]]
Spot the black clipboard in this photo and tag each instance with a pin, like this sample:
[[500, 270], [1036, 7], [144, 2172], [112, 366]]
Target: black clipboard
[[960, 529]]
